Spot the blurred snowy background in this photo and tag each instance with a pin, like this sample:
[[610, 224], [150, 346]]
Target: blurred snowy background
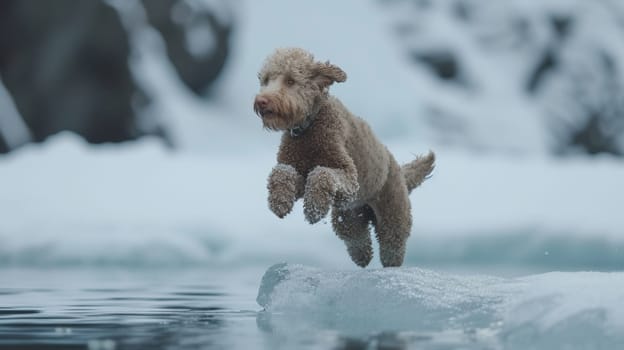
[[128, 135]]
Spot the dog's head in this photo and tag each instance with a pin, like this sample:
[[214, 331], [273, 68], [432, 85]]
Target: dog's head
[[292, 84]]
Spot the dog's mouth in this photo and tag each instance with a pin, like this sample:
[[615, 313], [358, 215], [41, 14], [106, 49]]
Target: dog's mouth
[[266, 113]]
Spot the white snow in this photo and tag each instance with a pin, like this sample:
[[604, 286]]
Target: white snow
[[141, 203]]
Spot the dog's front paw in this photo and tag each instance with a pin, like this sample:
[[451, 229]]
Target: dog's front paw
[[282, 187], [315, 210], [281, 204], [319, 194]]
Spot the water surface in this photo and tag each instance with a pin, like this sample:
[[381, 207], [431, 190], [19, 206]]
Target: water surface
[[113, 309], [103, 308]]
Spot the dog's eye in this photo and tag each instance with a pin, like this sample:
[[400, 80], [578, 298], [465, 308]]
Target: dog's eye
[[290, 82], [265, 81]]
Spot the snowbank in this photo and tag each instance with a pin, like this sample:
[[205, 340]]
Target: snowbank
[[141, 204], [569, 310]]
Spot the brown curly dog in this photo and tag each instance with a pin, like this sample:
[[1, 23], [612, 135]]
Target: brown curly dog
[[331, 159]]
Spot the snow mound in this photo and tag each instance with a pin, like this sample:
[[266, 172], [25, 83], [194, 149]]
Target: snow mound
[[578, 309]]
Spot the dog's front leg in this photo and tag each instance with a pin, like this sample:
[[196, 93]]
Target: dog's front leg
[[323, 187], [285, 187]]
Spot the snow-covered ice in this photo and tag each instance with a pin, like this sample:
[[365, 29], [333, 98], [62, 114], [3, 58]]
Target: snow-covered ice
[[552, 310]]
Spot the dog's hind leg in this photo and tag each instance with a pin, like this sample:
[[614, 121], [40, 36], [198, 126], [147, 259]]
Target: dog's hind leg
[[352, 226], [393, 219]]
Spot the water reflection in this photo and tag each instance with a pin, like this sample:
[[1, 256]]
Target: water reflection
[[110, 319], [383, 341], [285, 332]]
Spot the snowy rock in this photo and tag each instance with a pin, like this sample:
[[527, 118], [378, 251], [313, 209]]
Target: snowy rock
[[515, 75]]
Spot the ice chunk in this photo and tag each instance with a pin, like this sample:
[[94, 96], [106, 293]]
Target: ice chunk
[[578, 309], [383, 299]]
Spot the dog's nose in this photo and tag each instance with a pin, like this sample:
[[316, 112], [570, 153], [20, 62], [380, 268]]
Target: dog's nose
[[261, 102]]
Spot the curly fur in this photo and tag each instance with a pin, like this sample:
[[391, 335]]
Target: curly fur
[[332, 159]]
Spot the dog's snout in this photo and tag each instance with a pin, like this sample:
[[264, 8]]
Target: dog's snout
[[261, 102]]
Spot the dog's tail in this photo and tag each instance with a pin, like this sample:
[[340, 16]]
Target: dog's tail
[[418, 170]]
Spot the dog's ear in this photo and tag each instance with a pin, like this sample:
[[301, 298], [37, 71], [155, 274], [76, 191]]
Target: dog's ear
[[327, 73]]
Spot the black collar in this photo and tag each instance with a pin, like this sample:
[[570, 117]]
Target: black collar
[[301, 128], [298, 130]]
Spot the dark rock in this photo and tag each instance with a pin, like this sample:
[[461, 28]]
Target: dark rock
[[561, 25], [182, 26], [3, 146], [592, 138], [547, 62], [444, 64], [65, 65], [592, 123]]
